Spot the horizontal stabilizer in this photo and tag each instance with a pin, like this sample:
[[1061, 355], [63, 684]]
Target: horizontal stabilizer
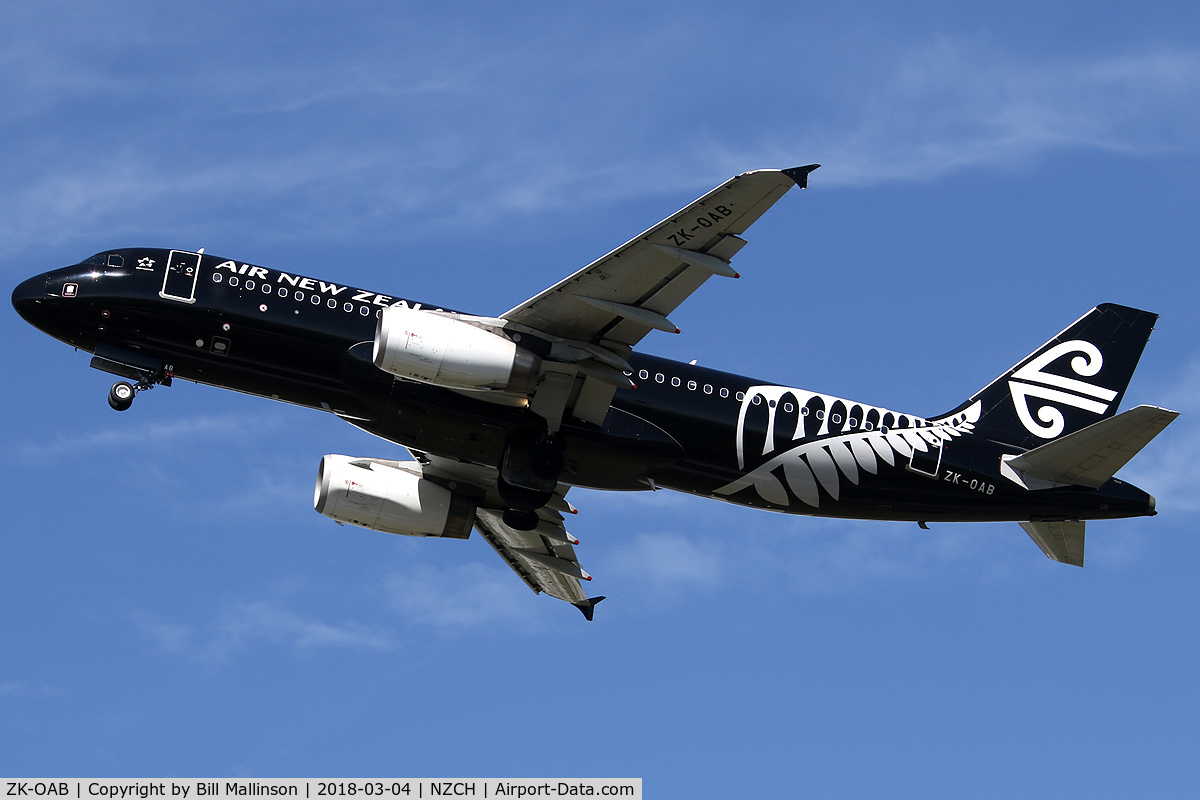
[[1091, 456], [1060, 541]]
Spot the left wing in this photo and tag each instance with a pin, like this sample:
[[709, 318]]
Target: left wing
[[544, 557]]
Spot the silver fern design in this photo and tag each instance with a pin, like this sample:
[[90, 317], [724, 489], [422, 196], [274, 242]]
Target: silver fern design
[[837, 440]]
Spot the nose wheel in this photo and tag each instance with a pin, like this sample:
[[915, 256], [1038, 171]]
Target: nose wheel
[[121, 395]]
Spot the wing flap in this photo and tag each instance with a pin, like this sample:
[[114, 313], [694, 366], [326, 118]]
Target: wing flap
[[546, 564]]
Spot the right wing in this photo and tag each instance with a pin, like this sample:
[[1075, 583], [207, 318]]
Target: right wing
[[601, 311], [619, 298]]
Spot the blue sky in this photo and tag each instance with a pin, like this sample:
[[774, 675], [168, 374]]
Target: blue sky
[[172, 606]]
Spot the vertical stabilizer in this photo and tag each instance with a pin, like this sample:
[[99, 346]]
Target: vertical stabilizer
[[1072, 381]]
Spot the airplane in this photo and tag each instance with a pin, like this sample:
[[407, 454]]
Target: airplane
[[504, 415]]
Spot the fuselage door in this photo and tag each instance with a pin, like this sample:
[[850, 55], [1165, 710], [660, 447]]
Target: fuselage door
[[179, 282], [927, 462]]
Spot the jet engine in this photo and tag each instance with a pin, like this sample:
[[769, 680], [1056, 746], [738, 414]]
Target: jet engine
[[385, 496], [442, 350]]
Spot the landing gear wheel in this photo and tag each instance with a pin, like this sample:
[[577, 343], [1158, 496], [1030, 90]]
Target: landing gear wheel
[[547, 459], [120, 396], [521, 520]]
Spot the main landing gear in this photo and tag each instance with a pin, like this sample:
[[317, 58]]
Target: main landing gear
[[529, 473]]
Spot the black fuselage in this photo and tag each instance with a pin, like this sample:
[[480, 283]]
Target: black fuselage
[[304, 341]]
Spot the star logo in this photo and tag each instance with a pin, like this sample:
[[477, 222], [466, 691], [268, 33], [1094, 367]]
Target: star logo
[[145, 263]]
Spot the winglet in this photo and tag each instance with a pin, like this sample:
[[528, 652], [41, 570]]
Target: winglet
[[800, 174], [588, 607]]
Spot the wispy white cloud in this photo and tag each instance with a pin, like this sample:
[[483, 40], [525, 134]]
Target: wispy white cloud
[[954, 105], [15, 689], [240, 626], [832, 556], [145, 435], [667, 563], [1169, 468], [462, 597], [733, 549], [474, 130]]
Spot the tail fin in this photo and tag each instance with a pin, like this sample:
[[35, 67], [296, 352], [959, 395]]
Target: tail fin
[[1072, 381]]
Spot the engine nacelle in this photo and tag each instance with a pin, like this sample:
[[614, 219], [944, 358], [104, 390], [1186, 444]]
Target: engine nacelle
[[388, 498], [444, 351]]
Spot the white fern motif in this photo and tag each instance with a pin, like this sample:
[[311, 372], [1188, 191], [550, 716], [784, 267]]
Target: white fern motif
[[862, 439]]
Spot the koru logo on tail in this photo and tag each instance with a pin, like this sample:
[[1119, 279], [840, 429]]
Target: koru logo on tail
[[1030, 381]]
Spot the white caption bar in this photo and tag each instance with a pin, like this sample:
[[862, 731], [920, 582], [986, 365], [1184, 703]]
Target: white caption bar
[[389, 788]]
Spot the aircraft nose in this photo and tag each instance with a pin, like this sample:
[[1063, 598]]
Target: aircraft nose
[[28, 293]]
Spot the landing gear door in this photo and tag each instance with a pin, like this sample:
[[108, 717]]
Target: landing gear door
[[179, 282]]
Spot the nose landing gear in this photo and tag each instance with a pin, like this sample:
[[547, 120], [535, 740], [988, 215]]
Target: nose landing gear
[[120, 396]]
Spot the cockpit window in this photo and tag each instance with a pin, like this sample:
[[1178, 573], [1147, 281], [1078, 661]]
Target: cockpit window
[[106, 260]]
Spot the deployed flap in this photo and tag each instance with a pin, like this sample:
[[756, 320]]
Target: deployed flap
[[543, 557], [1060, 541], [1093, 455], [642, 281]]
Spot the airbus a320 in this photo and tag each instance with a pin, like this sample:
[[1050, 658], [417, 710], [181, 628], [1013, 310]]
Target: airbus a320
[[504, 415]]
